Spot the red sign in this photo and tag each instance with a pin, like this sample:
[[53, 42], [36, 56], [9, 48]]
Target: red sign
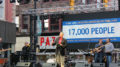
[[46, 40]]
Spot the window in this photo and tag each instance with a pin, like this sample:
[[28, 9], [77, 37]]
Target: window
[[46, 0], [46, 24], [2, 13], [83, 1], [17, 21], [25, 22], [55, 28], [50, 0], [55, 0], [2, 10], [54, 24]]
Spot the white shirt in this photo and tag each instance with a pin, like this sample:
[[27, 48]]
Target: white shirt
[[109, 47], [51, 60]]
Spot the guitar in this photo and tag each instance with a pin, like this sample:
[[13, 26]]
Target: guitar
[[3, 50], [96, 49]]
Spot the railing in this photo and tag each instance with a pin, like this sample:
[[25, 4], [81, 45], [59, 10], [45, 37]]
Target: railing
[[98, 7]]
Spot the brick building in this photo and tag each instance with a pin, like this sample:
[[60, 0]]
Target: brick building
[[7, 10], [25, 19], [50, 24]]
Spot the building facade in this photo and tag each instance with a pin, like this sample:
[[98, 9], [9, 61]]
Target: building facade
[[2, 11], [47, 23], [7, 11], [52, 24]]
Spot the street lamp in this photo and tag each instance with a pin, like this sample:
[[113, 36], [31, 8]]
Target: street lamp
[[34, 39]]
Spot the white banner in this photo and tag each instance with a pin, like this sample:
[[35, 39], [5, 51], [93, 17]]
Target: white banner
[[105, 28]]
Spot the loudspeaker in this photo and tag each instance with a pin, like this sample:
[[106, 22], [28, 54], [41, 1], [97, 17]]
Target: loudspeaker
[[114, 65], [49, 65], [82, 65], [8, 32], [98, 64], [23, 64], [2, 31]]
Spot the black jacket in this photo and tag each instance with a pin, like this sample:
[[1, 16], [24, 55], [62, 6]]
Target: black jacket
[[1, 46], [25, 50], [62, 49]]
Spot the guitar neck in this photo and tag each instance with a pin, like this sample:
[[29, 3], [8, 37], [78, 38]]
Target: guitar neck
[[5, 50], [101, 46]]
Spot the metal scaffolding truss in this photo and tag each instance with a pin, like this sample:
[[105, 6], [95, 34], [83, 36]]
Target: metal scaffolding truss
[[110, 6]]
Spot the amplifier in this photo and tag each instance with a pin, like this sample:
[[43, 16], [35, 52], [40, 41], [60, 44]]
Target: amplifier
[[114, 65], [82, 65], [23, 64], [98, 64], [49, 65]]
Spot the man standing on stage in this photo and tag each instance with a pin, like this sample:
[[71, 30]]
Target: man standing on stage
[[1, 49], [99, 54], [61, 44], [26, 50], [0, 43], [109, 47]]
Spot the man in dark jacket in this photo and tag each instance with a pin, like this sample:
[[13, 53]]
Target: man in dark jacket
[[1, 43], [99, 55], [1, 48], [25, 51], [61, 44]]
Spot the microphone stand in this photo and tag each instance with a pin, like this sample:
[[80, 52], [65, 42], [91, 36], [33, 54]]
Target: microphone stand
[[116, 54], [89, 45]]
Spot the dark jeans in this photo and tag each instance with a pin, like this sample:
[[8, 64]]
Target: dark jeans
[[109, 59], [99, 57], [25, 58]]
